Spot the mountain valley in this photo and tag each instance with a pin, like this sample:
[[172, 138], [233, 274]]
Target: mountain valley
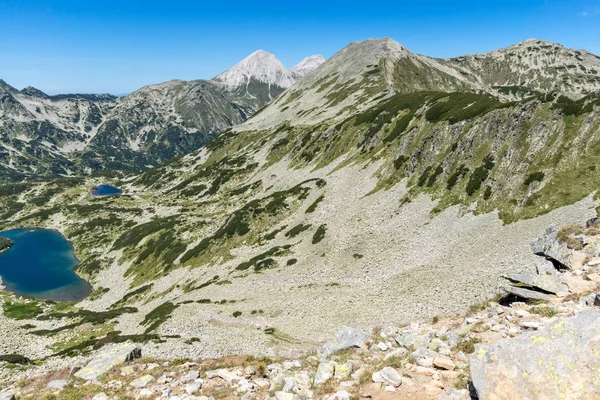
[[266, 208]]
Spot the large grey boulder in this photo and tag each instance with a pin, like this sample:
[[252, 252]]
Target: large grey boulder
[[557, 361], [57, 384], [388, 376], [108, 358], [7, 396], [345, 339], [529, 294], [549, 246], [412, 341], [547, 283]]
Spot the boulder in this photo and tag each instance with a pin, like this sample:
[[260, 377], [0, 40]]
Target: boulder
[[412, 341], [141, 382], [547, 283], [100, 396], [107, 358], [345, 338], [388, 376], [57, 384], [7, 396], [454, 394], [324, 373], [529, 294], [190, 376], [550, 247], [444, 363], [556, 361], [591, 222], [545, 267]]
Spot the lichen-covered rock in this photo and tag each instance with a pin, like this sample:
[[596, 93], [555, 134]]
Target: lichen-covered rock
[[549, 246], [141, 382], [557, 361], [107, 358], [345, 338], [324, 373], [412, 341]]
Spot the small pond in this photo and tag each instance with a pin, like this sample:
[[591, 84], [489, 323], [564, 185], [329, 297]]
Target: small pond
[[106, 190]]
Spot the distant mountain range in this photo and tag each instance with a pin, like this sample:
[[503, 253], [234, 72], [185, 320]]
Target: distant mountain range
[[74, 134], [43, 135]]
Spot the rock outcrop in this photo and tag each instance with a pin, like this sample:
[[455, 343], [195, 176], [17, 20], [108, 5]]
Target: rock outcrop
[[109, 358], [559, 361]]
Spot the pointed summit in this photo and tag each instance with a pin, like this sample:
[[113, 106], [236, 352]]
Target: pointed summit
[[308, 65], [259, 66]]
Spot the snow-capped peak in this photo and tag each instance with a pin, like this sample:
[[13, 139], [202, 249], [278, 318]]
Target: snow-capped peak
[[260, 66], [308, 65]]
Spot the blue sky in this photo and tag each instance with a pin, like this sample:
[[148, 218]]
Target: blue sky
[[119, 46]]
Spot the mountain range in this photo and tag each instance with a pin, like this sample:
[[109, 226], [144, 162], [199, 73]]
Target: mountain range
[[43, 135], [382, 186]]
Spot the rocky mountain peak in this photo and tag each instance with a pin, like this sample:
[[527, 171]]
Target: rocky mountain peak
[[308, 65], [34, 92], [5, 87], [260, 66]]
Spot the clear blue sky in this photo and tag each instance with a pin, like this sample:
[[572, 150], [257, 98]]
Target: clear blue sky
[[119, 46]]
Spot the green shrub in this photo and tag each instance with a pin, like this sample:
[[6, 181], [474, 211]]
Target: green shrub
[[15, 359], [453, 179], [319, 234], [298, 229], [314, 205], [158, 316], [424, 176], [237, 314], [399, 162], [479, 175], [433, 177], [488, 193], [534, 177]]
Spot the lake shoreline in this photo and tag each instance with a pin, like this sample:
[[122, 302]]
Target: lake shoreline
[[5, 244], [76, 290]]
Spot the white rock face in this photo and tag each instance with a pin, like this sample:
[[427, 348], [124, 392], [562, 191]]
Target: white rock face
[[308, 65], [261, 66]]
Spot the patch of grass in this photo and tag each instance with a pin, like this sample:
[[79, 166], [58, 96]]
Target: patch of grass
[[21, 310], [468, 346], [544, 311], [566, 235]]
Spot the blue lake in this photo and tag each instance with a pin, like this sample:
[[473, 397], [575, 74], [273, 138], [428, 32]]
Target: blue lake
[[106, 190], [40, 264]]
